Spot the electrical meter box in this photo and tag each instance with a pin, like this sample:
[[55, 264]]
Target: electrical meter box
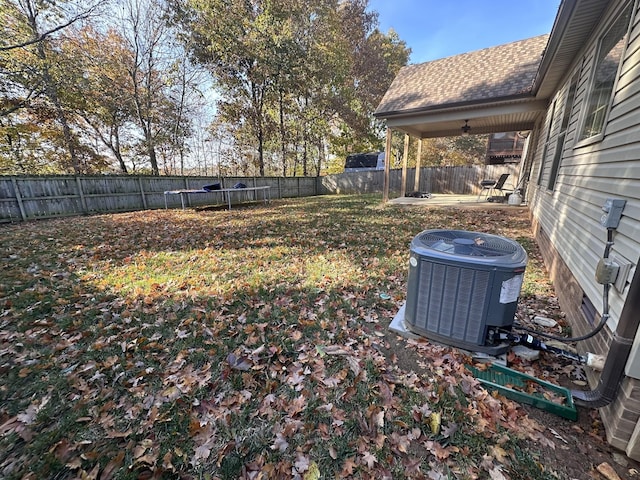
[[613, 212]]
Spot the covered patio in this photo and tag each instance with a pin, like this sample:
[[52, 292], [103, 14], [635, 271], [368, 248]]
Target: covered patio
[[451, 200], [486, 91]]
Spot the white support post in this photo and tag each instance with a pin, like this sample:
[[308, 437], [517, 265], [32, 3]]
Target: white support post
[[387, 168], [416, 178], [405, 154]]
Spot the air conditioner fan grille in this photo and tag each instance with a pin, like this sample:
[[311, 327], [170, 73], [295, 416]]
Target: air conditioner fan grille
[[465, 243]]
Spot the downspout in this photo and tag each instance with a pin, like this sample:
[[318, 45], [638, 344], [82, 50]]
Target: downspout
[[619, 350]]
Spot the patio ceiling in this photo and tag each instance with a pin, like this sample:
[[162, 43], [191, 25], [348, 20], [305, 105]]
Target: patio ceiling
[[491, 118]]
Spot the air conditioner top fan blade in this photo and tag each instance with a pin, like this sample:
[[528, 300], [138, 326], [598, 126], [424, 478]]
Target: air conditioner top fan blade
[[461, 244]]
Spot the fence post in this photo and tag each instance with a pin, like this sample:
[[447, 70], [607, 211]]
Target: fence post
[[142, 194], [186, 187], [18, 198], [83, 201]]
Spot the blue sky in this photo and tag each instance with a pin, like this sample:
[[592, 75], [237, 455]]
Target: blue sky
[[440, 28]]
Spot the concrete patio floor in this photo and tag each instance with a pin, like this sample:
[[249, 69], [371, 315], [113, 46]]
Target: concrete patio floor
[[451, 200]]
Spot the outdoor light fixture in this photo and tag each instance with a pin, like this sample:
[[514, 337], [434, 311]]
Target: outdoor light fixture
[[465, 129]]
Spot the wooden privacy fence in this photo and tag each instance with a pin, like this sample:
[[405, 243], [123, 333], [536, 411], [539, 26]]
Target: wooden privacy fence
[[458, 180], [34, 197], [27, 198]]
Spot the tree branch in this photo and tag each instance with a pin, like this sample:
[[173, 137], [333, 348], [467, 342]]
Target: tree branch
[[55, 29]]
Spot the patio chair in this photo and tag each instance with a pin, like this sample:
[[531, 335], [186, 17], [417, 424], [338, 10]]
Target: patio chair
[[493, 186]]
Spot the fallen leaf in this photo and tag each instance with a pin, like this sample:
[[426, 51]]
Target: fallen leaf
[[435, 420], [557, 435], [238, 363], [369, 459], [138, 451], [335, 350], [449, 430], [607, 471], [93, 474], [112, 466], [280, 443], [496, 474], [201, 453], [440, 452], [302, 463], [499, 453], [348, 466], [332, 452], [401, 442], [29, 415], [354, 365], [171, 393], [313, 473], [487, 462], [166, 462]]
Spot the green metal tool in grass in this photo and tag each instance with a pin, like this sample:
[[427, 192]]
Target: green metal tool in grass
[[527, 389]]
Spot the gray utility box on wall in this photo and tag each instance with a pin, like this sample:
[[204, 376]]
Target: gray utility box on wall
[[463, 287]]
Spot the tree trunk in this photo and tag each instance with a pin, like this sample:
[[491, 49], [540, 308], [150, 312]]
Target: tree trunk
[[304, 156], [153, 159], [320, 157], [261, 151], [52, 93], [283, 146], [116, 152], [257, 96], [296, 161]]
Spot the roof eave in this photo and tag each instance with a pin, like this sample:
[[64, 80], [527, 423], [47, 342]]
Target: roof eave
[[574, 24], [565, 10], [454, 106]]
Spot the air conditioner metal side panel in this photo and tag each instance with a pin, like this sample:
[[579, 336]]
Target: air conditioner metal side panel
[[451, 301]]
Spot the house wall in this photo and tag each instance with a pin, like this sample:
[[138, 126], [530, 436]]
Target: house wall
[[567, 219], [621, 417]]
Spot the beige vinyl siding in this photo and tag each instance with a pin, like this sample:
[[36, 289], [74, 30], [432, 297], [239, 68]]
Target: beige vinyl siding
[[589, 174]]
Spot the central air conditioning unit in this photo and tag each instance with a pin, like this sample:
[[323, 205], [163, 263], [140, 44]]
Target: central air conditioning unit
[[463, 287]]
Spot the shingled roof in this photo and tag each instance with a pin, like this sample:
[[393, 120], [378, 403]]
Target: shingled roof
[[491, 74]]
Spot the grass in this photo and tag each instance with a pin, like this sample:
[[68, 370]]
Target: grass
[[203, 344]]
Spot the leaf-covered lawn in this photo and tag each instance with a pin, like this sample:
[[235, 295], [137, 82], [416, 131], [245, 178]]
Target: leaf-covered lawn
[[249, 343]]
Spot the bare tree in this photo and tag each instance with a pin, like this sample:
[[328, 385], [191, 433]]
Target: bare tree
[[146, 32]]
